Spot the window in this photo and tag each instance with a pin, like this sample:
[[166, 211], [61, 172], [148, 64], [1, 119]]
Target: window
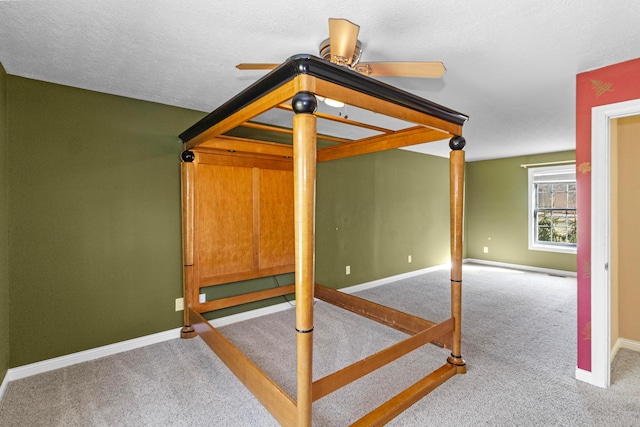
[[552, 209]]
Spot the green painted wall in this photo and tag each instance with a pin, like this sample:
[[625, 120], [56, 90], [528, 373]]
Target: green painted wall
[[497, 213], [375, 210], [4, 230], [95, 218]]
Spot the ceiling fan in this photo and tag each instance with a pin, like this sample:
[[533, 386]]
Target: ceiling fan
[[343, 48]]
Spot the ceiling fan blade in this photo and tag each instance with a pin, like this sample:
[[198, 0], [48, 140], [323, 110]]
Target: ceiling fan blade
[[403, 69], [343, 36], [256, 66]]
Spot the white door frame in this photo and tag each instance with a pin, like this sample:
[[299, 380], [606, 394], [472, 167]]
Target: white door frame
[[601, 117]]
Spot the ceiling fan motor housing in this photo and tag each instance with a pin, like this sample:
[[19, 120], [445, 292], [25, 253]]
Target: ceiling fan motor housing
[[325, 53]]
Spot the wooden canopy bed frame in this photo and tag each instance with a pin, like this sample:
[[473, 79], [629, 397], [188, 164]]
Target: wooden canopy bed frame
[[248, 211]]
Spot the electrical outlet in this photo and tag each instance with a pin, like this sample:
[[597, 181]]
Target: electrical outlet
[[347, 270], [203, 298], [486, 249], [409, 258], [179, 304]]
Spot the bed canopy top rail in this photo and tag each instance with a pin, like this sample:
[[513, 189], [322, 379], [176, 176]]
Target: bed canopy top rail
[[312, 74]]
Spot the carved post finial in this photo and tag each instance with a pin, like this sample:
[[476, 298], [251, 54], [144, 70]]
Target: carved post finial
[[304, 102], [457, 143], [187, 156]]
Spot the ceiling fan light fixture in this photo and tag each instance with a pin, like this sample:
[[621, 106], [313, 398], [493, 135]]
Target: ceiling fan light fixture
[[330, 102], [333, 103]]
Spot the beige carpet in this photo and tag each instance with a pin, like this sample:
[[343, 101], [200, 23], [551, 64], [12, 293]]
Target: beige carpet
[[518, 339]]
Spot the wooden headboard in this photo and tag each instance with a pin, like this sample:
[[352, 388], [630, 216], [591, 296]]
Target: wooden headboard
[[243, 218]]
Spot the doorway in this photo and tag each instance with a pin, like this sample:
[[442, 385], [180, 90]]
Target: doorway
[[605, 236]]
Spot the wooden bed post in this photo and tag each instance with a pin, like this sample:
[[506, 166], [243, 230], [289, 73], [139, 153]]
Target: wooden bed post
[[456, 171], [186, 181], [304, 183]]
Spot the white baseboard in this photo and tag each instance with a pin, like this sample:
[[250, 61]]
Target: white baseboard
[[563, 273], [108, 350], [91, 354], [3, 386], [588, 377], [386, 280], [624, 343], [584, 376], [84, 356]]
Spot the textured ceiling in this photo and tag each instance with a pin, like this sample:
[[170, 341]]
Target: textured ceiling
[[511, 65]]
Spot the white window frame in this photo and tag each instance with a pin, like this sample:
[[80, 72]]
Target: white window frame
[[531, 226]]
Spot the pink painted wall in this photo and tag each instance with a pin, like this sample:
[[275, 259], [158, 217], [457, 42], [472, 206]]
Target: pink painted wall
[[607, 85]]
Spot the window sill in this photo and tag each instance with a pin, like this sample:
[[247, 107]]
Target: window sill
[[554, 248]]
